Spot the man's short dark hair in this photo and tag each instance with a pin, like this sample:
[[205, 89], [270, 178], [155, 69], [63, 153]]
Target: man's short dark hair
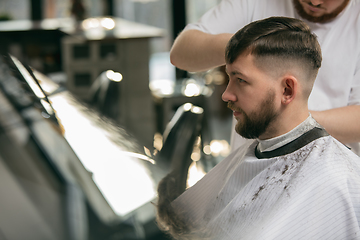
[[282, 37]]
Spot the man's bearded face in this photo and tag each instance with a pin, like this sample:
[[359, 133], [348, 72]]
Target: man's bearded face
[[254, 124], [323, 12]]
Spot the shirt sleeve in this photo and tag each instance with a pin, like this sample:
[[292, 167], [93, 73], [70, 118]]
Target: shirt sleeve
[[227, 17]]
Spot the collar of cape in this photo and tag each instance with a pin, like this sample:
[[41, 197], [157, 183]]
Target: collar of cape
[[294, 145]]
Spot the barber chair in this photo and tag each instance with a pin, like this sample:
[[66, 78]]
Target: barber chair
[[179, 138], [105, 92]]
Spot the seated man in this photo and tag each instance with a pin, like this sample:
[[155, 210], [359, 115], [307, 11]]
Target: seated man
[[294, 181]]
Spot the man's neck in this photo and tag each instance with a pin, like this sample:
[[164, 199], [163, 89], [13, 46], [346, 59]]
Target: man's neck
[[276, 142], [285, 122]]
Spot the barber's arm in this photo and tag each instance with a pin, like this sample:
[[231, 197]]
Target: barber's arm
[[342, 123], [196, 51]]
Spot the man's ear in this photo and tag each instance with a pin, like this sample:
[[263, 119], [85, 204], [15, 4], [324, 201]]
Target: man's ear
[[290, 88]]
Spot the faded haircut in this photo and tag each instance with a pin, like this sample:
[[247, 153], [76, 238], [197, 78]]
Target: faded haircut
[[280, 38]]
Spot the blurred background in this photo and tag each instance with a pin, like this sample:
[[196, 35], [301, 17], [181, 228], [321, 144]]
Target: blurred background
[[93, 115]]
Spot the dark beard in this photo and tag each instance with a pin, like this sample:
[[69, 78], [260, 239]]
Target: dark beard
[[256, 123], [324, 18]]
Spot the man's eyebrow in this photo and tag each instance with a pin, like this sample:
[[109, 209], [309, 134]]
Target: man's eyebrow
[[234, 72]]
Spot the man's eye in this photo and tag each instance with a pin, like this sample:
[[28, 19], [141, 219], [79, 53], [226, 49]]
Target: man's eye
[[241, 80]]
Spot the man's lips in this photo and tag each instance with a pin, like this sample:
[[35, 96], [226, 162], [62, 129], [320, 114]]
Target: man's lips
[[312, 8], [236, 111], [236, 114]]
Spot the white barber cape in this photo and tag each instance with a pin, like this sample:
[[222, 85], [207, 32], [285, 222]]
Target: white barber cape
[[313, 192]]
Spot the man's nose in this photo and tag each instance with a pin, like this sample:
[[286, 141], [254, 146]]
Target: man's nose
[[228, 94]]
